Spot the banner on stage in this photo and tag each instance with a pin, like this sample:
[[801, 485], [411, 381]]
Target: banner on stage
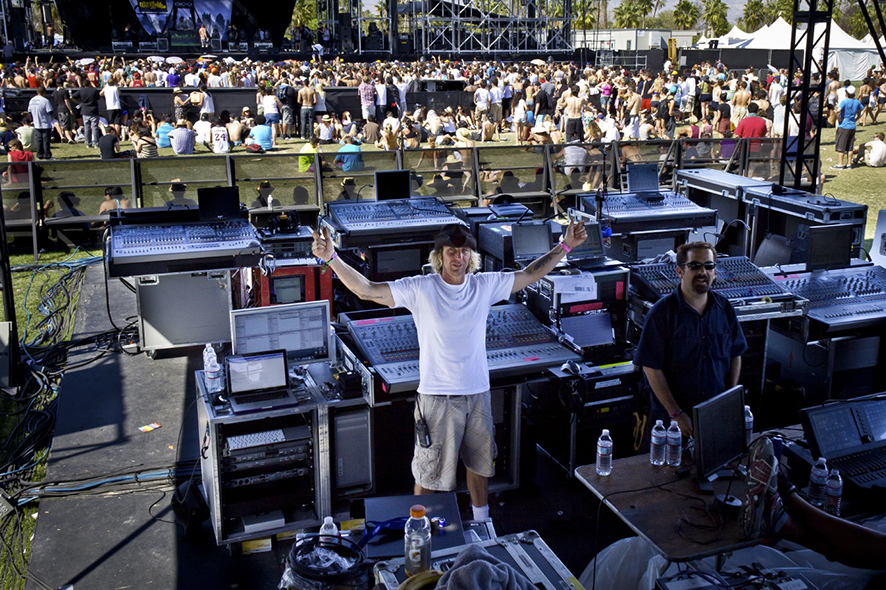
[[160, 16]]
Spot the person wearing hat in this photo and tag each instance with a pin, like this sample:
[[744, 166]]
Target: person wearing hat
[[180, 104], [450, 307], [178, 188], [67, 206], [348, 190], [264, 190], [848, 111]]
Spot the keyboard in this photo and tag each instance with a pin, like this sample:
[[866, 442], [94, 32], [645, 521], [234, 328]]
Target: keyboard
[[255, 439], [864, 467]]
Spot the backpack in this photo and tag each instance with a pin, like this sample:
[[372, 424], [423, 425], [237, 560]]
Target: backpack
[[281, 93], [254, 148]]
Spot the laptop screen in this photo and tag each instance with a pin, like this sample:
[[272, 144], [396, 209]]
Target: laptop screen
[[592, 248], [589, 330], [642, 178], [256, 372], [302, 329]]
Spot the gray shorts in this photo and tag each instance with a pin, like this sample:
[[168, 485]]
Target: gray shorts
[[286, 115], [66, 121], [460, 426]]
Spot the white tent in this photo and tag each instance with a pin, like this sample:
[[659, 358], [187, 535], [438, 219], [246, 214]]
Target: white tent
[[775, 36], [852, 57]]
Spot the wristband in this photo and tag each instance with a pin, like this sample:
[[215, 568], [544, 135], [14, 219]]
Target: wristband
[[565, 247], [334, 256], [676, 414]]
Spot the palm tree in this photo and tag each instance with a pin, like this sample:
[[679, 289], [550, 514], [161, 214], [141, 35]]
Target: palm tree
[[754, 16], [584, 14], [644, 7], [686, 14], [716, 22], [627, 15], [656, 6]]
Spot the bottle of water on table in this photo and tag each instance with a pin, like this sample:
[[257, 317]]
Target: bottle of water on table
[[817, 482], [604, 453], [658, 444], [675, 445]]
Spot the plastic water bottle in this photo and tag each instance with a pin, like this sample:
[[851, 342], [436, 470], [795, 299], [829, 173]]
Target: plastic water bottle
[[213, 377], [834, 492], [604, 453], [418, 541], [675, 444], [208, 355], [328, 529], [270, 202], [748, 424], [817, 481], [658, 444]]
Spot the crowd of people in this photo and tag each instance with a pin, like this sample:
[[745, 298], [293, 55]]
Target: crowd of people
[[555, 103]]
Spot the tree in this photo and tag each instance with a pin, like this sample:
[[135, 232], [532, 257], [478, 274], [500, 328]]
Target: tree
[[656, 6], [627, 15], [644, 7], [753, 16], [686, 14], [778, 8], [584, 14], [716, 22]]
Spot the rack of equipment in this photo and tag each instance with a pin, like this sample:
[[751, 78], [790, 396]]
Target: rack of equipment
[[369, 223]]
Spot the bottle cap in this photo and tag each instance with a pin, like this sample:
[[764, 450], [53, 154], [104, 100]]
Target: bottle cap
[[417, 511], [605, 431], [327, 520], [835, 472]]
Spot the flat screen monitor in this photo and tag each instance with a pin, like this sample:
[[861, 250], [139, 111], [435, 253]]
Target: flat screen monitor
[[287, 289], [531, 240], [301, 329], [392, 184], [589, 330], [830, 246], [642, 178], [218, 203], [718, 425]]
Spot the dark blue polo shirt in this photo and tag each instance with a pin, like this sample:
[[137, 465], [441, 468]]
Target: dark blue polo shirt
[[693, 350]]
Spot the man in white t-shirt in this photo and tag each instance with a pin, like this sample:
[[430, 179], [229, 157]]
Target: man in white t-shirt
[[877, 156], [450, 308]]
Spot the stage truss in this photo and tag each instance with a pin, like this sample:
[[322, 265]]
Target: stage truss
[[453, 28]]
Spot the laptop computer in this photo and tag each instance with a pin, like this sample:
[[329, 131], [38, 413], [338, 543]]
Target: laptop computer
[[642, 180], [258, 382], [589, 254], [851, 435]]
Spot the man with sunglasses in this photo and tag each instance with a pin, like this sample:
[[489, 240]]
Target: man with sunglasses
[[691, 346]]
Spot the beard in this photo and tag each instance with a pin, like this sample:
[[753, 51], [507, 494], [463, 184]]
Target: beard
[[702, 285]]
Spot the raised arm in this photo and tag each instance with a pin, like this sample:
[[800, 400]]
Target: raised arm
[[356, 283], [574, 237]]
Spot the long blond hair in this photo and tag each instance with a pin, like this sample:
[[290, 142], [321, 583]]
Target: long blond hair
[[436, 261]]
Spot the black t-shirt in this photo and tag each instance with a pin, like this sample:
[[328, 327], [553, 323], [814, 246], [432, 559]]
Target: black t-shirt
[[88, 98], [288, 96], [60, 95], [725, 110], [106, 146]]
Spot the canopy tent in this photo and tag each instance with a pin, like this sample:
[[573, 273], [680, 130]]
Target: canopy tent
[[775, 36], [852, 57]]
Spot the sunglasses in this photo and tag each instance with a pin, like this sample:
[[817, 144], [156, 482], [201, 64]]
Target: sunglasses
[[694, 265]]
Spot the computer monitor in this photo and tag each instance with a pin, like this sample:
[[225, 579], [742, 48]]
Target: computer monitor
[[718, 425], [642, 178], [530, 240], [592, 248], [287, 288], [256, 372], [587, 331], [392, 184], [218, 203], [830, 246], [302, 329]]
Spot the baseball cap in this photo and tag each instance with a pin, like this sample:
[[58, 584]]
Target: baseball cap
[[456, 235], [850, 90]]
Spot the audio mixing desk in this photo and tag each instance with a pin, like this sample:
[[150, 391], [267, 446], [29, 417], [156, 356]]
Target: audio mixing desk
[[370, 223]]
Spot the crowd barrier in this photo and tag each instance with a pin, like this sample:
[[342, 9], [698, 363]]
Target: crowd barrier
[[547, 178]]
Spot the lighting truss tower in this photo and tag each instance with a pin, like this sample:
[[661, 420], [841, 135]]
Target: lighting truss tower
[[801, 163], [459, 28]]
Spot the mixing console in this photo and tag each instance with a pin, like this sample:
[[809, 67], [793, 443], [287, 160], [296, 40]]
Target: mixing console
[[847, 298], [737, 279], [629, 213], [353, 224], [516, 344], [154, 249]]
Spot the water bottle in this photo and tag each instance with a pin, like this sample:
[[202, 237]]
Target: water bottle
[[208, 355], [834, 492], [213, 377], [604, 453], [270, 202], [328, 529], [418, 541], [658, 444], [817, 481], [748, 425], [675, 444]]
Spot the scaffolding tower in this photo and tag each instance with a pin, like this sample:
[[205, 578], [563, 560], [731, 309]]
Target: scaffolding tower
[[472, 27]]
